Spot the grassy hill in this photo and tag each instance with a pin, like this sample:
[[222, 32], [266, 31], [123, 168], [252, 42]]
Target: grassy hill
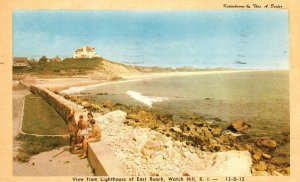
[[96, 68], [66, 67]]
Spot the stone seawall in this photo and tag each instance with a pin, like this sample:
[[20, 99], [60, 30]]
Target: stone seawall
[[56, 101], [100, 157]]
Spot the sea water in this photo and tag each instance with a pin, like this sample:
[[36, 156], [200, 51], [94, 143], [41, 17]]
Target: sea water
[[261, 98]]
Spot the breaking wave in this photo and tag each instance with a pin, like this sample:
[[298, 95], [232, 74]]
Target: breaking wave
[[148, 100]]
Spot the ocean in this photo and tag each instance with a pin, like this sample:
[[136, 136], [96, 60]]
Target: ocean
[[261, 98]]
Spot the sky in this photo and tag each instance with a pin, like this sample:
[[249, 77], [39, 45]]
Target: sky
[[198, 38]]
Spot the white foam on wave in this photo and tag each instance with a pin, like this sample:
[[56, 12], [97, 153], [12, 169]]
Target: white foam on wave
[[148, 100]]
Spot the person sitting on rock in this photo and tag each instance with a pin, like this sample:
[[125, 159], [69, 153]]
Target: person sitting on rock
[[72, 127], [88, 129], [82, 125], [95, 136]]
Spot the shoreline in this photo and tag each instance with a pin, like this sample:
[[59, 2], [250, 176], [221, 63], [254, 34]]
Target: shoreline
[[197, 133], [148, 76], [91, 106]]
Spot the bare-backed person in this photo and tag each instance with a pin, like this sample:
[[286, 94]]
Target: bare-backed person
[[94, 136]]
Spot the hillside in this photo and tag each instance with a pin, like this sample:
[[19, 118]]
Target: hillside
[[95, 68], [81, 67]]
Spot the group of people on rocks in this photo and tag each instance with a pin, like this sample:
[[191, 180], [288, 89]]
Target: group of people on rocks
[[82, 132]]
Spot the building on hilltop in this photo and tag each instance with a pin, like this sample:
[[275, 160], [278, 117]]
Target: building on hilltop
[[85, 52]]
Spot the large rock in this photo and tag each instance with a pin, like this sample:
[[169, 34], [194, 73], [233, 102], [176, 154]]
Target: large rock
[[261, 166], [266, 142], [176, 129], [266, 156], [140, 138], [286, 171], [260, 173], [108, 104], [206, 132], [198, 123], [256, 157], [238, 125], [230, 163], [216, 131], [275, 173], [86, 104], [147, 152], [112, 117]]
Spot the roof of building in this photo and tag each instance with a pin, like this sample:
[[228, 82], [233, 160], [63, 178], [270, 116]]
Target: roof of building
[[79, 50], [88, 49]]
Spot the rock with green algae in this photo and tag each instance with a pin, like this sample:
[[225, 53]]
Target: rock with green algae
[[266, 142]]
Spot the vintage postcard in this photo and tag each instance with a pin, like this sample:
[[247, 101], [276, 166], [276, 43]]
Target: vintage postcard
[[148, 91]]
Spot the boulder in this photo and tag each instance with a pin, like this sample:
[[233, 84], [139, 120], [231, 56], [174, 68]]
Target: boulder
[[280, 160], [261, 166], [86, 104], [147, 152], [256, 157], [238, 126], [257, 151], [230, 163], [266, 142], [196, 117], [248, 147], [190, 125], [275, 173], [206, 132], [198, 123], [141, 139], [266, 156], [271, 167], [216, 131], [176, 129], [114, 116], [260, 173], [108, 104], [286, 171]]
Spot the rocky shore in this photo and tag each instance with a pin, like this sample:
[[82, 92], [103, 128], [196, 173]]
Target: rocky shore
[[146, 152], [154, 144]]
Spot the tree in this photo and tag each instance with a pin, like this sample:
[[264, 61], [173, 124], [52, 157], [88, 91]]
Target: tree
[[43, 60]]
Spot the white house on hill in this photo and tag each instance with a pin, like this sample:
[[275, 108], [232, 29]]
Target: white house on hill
[[85, 52]]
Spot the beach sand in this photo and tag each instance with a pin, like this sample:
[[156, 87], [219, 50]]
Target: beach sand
[[88, 84]]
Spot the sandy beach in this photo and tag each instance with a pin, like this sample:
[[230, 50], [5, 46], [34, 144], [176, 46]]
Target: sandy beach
[[87, 84]]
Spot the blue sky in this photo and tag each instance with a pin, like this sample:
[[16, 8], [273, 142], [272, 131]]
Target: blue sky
[[216, 38]]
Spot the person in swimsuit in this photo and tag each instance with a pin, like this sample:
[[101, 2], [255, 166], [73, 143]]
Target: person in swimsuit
[[88, 129], [82, 125], [72, 127], [95, 136]]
